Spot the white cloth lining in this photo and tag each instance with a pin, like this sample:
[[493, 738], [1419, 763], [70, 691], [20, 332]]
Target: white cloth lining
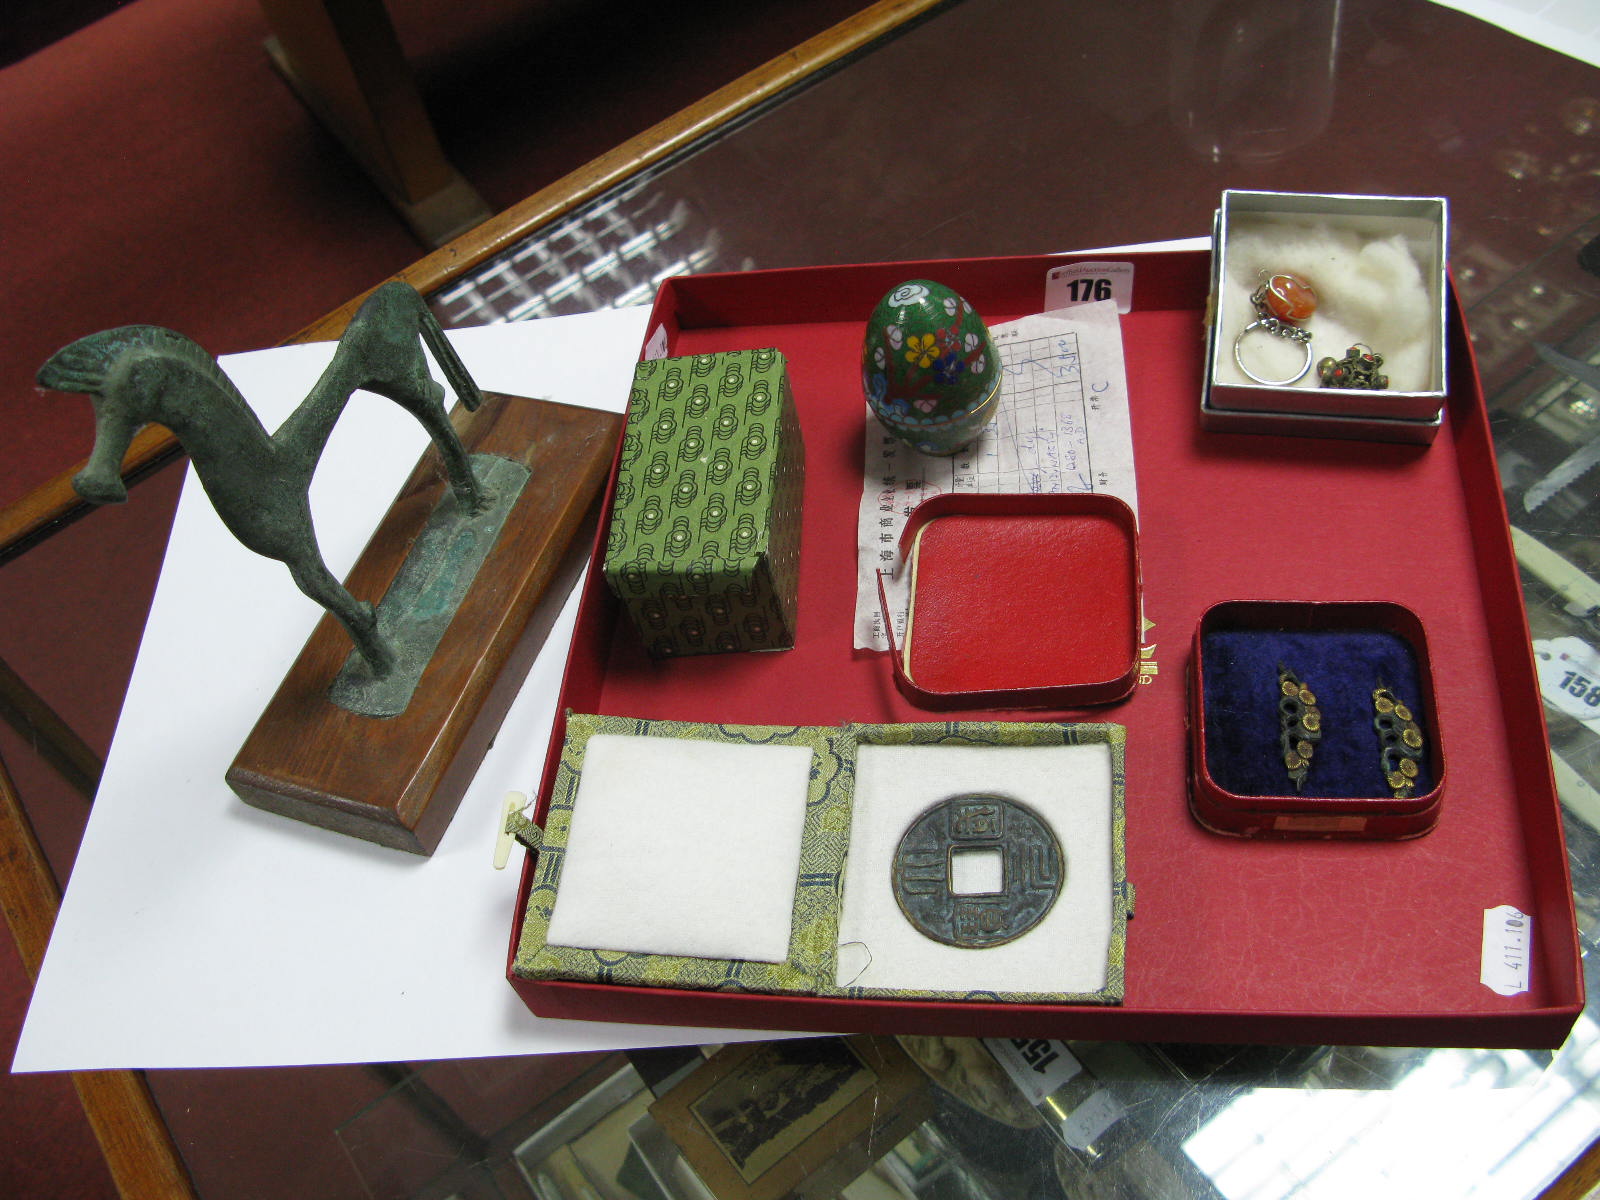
[[1068, 787], [682, 846]]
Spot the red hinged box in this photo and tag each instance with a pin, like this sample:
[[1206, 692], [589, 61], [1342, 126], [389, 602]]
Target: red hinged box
[[1019, 601], [1233, 940], [1231, 700]]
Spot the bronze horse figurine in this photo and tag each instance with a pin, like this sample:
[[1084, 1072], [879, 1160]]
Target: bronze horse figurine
[[258, 482]]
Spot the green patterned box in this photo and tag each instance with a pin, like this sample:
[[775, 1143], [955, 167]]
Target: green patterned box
[[704, 545]]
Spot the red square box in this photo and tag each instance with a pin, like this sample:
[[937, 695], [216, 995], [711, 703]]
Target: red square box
[[1019, 601], [1233, 940], [1312, 812]]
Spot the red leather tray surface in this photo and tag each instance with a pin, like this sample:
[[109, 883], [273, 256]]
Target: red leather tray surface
[[1231, 940]]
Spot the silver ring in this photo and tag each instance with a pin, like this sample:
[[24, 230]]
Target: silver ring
[[1278, 329]]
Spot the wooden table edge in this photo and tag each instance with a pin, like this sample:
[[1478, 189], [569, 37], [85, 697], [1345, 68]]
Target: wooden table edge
[[653, 147]]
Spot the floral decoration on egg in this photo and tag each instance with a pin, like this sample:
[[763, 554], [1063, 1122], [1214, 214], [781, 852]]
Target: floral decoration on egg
[[928, 367]]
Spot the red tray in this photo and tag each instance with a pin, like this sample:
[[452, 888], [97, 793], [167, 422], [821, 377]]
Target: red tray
[[1237, 941]]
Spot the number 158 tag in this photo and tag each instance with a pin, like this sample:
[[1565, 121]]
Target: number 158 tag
[[1084, 282], [1569, 676]]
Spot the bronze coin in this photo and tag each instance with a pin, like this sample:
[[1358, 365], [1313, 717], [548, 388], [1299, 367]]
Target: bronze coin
[[1033, 871]]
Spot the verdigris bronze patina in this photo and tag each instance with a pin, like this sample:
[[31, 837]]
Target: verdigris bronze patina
[[258, 482], [428, 588]]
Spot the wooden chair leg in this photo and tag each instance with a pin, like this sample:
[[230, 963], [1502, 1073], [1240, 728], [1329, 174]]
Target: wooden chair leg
[[343, 59], [137, 1145], [57, 742]]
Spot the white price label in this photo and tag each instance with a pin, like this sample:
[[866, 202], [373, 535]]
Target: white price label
[[1092, 1118], [656, 347], [1038, 1066], [1569, 676], [1085, 282], [1507, 938]]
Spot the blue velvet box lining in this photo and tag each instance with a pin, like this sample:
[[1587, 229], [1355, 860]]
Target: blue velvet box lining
[[1342, 666]]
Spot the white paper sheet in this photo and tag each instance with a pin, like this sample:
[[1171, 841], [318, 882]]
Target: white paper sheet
[[1062, 426], [199, 932], [1572, 29]]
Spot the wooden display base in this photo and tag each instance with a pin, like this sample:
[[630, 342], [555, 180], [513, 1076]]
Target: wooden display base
[[398, 780]]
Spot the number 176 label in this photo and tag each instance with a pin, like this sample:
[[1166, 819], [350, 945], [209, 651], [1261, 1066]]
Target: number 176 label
[[1085, 282]]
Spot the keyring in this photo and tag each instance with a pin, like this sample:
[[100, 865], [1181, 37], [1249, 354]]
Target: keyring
[[1280, 301]]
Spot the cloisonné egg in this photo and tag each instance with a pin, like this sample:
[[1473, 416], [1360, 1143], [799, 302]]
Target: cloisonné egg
[[928, 367]]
